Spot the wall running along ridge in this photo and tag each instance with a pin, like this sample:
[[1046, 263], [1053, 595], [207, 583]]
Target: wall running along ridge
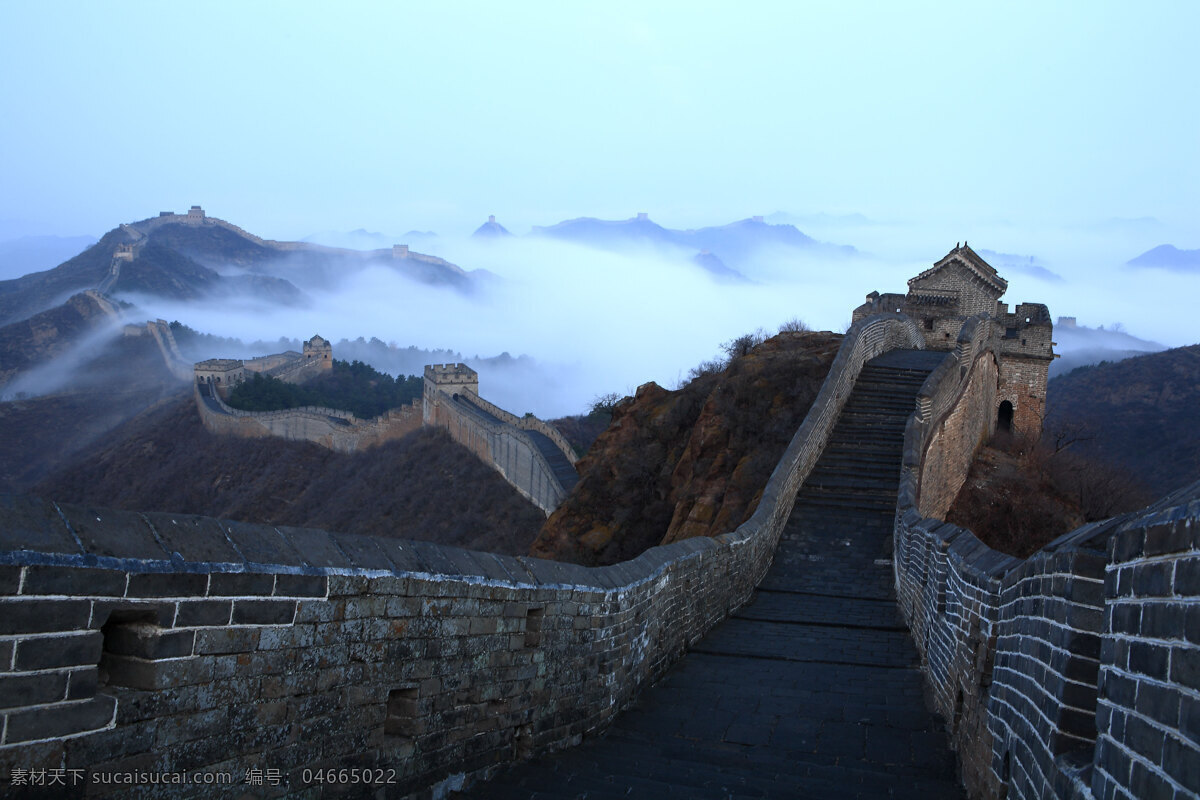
[[165, 642], [174, 360], [1073, 673], [503, 447], [529, 423], [337, 430]]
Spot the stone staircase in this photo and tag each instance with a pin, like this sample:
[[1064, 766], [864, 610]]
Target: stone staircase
[[811, 690]]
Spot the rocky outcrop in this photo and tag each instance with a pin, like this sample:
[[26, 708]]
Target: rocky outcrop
[[690, 462]]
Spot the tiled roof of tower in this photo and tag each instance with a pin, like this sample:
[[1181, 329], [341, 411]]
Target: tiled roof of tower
[[974, 261]]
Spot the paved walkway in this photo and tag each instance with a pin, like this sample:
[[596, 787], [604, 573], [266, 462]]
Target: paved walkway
[[812, 690]]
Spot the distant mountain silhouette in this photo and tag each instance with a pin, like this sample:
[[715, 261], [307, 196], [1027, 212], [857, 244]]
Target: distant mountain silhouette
[[1169, 257], [491, 230], [732, 243], [610, 234]]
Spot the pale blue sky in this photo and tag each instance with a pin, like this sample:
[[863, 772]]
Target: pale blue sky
[[288, 118]]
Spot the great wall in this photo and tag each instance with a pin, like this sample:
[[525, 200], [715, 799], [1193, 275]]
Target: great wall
[[153, 641], [530, 454]]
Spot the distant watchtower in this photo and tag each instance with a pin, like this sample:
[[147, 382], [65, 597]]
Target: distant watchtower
[[222, 374], [453, 378], [195, 216], [450, 379], [319, 350]]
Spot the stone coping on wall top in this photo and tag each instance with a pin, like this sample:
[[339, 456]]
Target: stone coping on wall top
[[37, 532]]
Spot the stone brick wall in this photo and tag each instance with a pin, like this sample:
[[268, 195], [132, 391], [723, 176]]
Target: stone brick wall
[[956, 438], [178, 366], [165, 642], [1071, 673], [530, 423], [328, 427], [500, 445], [1148, 717]]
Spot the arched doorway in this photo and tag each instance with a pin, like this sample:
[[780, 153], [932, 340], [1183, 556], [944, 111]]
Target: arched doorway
[[1004, 417]]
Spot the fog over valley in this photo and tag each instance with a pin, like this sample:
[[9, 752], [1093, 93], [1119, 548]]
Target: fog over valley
[[590, 321], [863, 176]]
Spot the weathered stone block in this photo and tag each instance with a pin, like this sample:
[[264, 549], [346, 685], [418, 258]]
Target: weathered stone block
[[32, 690], [301, 585], [201, 613], [121, 534], [61, 720], [315, 548], [1154, 579], [83, 683], [1185, 667], [222, 584], [148, 644], [167, 584], [78, 581], [1181, 760], [261, 544], [363, 551], [49, 652], [192, 538], [1148, 659], [226, 640], [1167, 538], [20, 615], [34, 525], [1187, 577], [264, 612]]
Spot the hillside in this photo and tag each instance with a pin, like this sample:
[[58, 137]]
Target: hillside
[[117, 381], [423, 486], [1018, 498], [50, 333], [690, 462], [23, 297], [350, 386], [1139, 414], [183, 261]]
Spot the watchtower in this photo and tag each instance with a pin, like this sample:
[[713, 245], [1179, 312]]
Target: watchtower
[[319, 350], [962, 285], [222, 374]]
